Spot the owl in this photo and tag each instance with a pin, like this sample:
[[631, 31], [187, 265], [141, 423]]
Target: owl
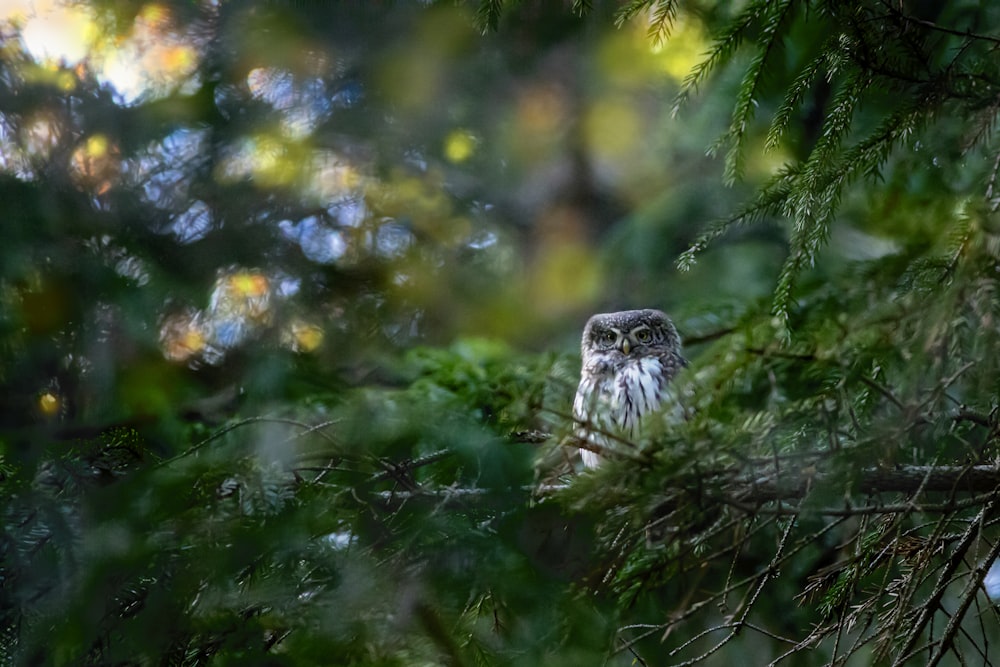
[[629, 359]]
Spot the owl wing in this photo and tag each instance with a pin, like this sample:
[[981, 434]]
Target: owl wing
[[588, 411], [670, 405]]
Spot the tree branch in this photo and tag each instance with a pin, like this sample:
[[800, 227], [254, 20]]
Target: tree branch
[[796, 483], [750, 492]]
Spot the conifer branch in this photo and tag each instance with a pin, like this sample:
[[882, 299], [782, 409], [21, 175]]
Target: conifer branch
[[795, 96], [723, 50], [967, 34], [752, 492], [746, 99]]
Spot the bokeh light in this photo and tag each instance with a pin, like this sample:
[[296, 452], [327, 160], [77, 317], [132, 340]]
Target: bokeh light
[[54, 32], [152, 58]]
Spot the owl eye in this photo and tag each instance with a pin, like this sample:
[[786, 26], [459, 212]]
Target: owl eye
[[643, 335], [606, 338]]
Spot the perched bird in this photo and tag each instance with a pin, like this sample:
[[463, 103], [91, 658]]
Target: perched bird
[[629, 359]]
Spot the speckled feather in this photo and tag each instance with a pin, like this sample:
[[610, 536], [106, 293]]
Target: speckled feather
[[629, 359]]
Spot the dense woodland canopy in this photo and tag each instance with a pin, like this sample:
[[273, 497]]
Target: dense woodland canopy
[[291, 295]]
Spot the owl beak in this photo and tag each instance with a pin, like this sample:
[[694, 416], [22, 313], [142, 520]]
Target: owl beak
[[625, 345]]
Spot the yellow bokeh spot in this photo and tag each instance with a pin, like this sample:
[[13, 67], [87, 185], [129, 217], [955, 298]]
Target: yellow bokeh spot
[[97, 146], [420, 199], [682, 50], [246, 284], [184, 343], [96, 163], [179, 59], [192, 341], [154, 14], [65, 81], [182, 336], [48, 403], [624, 59], [271, 161], [303, 337], [567, 277], [612, 128], [53, 74], [459, 145], [764, 163]]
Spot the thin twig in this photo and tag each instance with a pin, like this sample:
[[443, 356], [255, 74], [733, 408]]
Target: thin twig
[[930, 606], [939, 28]]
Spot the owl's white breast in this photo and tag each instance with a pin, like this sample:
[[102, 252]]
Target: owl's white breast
[[611, 404], [615, 401], [636, 392]]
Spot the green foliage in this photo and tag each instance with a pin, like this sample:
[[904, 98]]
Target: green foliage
[[287, 333], [863, 63], [488, 14], [661, 20]]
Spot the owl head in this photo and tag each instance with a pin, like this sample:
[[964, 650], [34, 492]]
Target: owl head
[[629, 334]]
